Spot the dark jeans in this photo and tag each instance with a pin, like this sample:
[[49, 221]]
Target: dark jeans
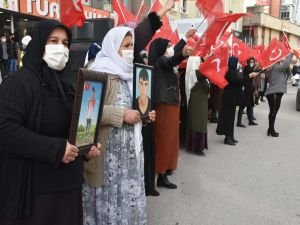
[[4, 67], [274, 101], [249, 114], [12, 65]]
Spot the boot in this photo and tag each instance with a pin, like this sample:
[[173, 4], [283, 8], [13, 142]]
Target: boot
[[234, 140], [252, 123], [162, 181], [239, 120], [273, 133], [228, 141]]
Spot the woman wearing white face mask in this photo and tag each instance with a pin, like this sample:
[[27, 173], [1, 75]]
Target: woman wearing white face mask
[[166, 105], [41, 174], [116, 194]]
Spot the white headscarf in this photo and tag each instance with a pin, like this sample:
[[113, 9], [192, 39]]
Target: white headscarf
[[108, 59], [193, 64]]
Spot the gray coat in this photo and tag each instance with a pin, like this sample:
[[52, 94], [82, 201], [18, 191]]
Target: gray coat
[[277, 78]]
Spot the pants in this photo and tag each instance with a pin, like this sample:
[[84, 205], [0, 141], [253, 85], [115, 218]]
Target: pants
[[249, 114], [274, 101], [4, 67], [12, 65]]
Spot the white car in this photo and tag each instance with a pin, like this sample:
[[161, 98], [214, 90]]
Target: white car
[[295, 79]]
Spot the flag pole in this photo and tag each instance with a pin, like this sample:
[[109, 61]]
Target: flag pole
[[198, 28], [121, 10], [152, 6], [140, 9]]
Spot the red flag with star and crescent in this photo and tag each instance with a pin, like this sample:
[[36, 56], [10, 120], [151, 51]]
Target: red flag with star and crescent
[[241, 50], [71, 13], [123, 14], [215, 67], [273, 54]]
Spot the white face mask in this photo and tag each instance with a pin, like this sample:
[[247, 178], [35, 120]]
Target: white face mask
[[3, 40], [170, 52], [127, 55], [251, 64], [56, 56]]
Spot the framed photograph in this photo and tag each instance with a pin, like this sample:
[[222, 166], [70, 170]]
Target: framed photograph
[[87, 109], [142, 89]]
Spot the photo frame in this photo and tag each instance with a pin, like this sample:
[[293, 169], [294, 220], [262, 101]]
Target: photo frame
[[87, 109], [142, 89]]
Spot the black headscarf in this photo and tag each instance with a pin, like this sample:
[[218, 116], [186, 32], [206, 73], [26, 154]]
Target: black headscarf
[[157, 48], [33, 58], [232, 63]]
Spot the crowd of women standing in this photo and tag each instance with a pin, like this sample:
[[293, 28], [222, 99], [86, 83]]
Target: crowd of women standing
[[44, 179]]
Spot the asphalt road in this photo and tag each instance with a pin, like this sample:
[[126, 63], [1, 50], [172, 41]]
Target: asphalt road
[[256, 182]]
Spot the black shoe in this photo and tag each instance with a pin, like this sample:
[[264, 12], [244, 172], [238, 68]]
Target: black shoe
[[169, 172], [162, 181], [153, 193], [253, 118], [234, 140], [273, 133], [228, 141], [200, 153], [252, 123], [240, 125], [262, 100]]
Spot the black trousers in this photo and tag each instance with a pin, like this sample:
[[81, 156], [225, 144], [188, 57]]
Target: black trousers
[[226, 121], [4, 68], [274, 101]]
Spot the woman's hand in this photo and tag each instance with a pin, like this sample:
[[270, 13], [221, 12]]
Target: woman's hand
[[190, 33], [187, 51], [94, 151], [132, 116], [71, 153], [152, 116], [253, 74], [166, 8]]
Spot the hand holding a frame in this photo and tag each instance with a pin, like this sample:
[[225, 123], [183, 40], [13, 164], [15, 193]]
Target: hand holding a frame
[[71, 153], [94, 152], [131, 116], [190, 33]]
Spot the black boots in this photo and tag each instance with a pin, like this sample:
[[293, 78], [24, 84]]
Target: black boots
[[272, 132], [252, 123], [162, 181], [229, 141], [239, 124]]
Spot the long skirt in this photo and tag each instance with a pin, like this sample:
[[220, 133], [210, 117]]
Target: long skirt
[[60, 208], [166, 137]]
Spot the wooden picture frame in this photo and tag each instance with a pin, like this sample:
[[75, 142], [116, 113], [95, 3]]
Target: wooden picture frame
[[142, 83], [87, 109]]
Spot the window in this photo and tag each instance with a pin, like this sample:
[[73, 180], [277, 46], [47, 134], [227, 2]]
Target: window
[[285, 12]]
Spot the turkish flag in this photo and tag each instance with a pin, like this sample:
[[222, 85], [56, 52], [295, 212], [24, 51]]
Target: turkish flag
[[285, 41], [273, 54], [165, 31], [222, 42], [216, 67], [217, 28], [123, 14], [297, 54], [141, 10], [71, 13], [241, 50], [199, 50], [259, 48], [210, 6]]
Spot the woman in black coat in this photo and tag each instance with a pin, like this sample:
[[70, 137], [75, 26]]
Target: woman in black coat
[[248, 98], [230, 100], [41, 173]]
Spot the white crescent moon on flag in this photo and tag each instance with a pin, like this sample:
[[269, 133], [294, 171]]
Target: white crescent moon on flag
[[75, 2], [277, 56], [235, 44], [218, 62], [219, 44]]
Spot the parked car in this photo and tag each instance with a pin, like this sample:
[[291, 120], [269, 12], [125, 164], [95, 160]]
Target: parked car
[[298, 99], [295, 79]]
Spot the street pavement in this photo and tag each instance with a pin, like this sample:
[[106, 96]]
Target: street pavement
[[256, 182]]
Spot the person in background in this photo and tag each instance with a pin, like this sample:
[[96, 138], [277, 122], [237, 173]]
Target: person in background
[[230, 100], [41, 173], [13, 50], [248, 98], [3, 56], [277, 80], [166, 105], [197, 90], [91, 54], [25, 41]]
